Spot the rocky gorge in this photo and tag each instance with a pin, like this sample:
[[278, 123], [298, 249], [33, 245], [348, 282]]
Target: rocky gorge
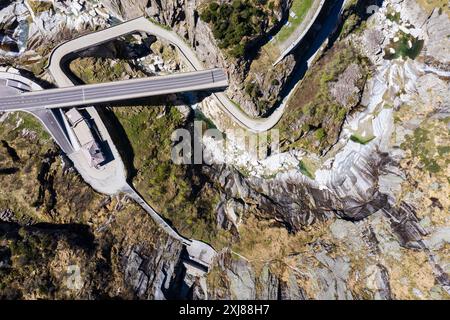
[[367, 186]]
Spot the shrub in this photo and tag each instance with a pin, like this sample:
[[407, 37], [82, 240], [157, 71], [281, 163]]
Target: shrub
[[235, 25], [320, 134]]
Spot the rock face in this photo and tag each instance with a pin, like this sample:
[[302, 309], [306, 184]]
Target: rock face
[[26, 36], [13, 25], [125, 8], [292, 199], [150, 275], [234, 278], [438, 42], [374, 187]]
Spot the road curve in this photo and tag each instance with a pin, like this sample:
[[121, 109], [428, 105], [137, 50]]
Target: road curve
[[66, 49], [113, 91], [49, 118]]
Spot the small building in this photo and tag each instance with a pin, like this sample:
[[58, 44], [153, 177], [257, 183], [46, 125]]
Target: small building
[[93, 152], [86, 138]]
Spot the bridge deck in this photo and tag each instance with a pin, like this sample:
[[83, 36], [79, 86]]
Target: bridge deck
[[115, 91]]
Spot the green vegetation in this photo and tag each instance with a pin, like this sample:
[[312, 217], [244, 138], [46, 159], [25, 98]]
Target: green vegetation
[[38, 259], [253, 90], [320, 134], [443, 150], [422, 145], [361, 140], [300, 8], [178, 192], [39, 7], [355, 16], [406, 46], [350, 24], [306, 169], [208, 122], [28, 252], [31, 123], [94, 70], [33, 247], [29, 189], [393, 16], [235, 25], [313, 118]]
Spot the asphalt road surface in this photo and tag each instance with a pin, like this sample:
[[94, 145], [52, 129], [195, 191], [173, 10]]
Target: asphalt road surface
[[49, 119]]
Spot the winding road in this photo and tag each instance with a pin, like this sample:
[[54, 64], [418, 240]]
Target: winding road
[[67, 95], [65, 51]]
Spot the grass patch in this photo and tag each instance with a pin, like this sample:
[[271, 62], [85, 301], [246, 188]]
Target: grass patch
[[20, 121], [300, 8], [178, 192], [422, 146], [406, 47], [91, 70], [360, 139]]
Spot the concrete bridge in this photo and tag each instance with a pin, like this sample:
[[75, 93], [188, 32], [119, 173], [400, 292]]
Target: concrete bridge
[[114, 91]]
